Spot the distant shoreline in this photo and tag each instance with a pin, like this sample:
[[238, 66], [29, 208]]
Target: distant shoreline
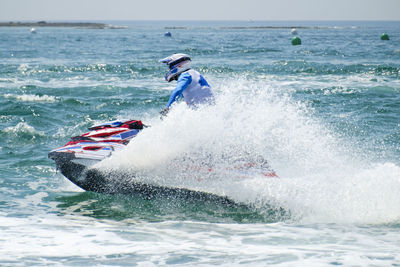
[[250, 27], [89, 25], [96, 25]]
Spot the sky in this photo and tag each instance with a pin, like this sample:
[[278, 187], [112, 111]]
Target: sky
[[34, 10]]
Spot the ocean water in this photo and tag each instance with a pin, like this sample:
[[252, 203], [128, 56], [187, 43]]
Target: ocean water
[[325, 114]]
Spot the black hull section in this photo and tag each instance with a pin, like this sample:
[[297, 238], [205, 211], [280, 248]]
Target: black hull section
[[91, 179]]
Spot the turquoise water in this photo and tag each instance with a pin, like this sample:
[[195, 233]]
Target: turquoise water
[[324, 114]]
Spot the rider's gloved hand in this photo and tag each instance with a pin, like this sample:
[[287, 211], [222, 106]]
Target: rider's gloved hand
[[164, 112]]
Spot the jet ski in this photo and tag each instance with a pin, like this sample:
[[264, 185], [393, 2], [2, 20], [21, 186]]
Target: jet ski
[[76, 160]]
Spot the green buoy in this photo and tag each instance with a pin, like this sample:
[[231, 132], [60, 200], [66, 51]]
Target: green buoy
[[385, 36], [296, 41]]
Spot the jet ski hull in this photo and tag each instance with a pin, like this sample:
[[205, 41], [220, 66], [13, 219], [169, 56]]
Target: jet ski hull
[[92, 179]]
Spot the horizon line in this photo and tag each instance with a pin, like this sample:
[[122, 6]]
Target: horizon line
[[200, 20]]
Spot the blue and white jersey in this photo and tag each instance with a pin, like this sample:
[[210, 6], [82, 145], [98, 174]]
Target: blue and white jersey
[[193, 88]]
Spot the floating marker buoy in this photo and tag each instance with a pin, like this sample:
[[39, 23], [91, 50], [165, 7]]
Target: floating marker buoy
[[296, 41], [294, 31], [33, 30], [167, 34], [385, 36]]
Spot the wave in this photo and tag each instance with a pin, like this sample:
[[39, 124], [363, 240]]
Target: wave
[[305, 67], [23, 129], [30, 70], [32, 98], [144, 69], [321, 176], [363, 194]]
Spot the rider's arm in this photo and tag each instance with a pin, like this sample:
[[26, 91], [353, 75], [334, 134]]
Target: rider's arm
[[183, 82]]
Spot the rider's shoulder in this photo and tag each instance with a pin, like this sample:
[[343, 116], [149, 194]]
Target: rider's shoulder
[[185, 75]]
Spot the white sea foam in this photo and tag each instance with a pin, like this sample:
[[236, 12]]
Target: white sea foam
[[322, 179], [32, 98], [54, 240], [23, 127], [79, 81]]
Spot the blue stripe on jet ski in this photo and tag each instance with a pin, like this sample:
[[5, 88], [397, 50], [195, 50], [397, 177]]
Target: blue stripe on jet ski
[[127, 134], [68, 148]]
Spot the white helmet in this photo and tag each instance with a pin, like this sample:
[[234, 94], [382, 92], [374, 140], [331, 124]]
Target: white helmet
[[177, 64]]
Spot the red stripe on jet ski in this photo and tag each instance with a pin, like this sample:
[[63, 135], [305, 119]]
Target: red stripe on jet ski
[[104, 134]]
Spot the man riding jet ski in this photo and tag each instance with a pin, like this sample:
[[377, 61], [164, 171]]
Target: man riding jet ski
[[191, 84], [76, 158]]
